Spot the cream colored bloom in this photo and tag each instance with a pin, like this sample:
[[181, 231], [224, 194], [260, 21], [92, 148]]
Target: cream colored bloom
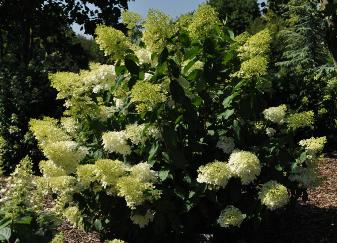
[[215, 174], [116, 142], [244, 165], [275, 114]]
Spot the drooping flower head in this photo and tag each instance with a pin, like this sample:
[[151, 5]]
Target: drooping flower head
[[65, 154]]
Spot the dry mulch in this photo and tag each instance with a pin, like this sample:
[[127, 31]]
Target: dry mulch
[[314, 221]]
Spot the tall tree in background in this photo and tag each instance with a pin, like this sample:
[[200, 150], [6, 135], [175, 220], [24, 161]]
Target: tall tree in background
[[238, 14], [35, 39]]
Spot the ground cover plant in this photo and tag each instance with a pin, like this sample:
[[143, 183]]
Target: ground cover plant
[[179, 136]]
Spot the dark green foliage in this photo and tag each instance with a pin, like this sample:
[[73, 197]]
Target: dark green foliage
[[36, 38], [237, 14]]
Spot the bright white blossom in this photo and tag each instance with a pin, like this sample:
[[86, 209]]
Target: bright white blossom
[[273, 195], [231, 216], [143, 172], [116, 142], [143, 220], [226, 144], [244, 165], [215, 174], [275, 114]]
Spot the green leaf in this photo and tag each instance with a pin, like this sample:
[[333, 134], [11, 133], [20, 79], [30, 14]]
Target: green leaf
[[163, 56], [237, 129], [132, 66], [227, 114], [231, 34], [25, 220], [227, 103], [5, 233], [98, 224], [163, 174], [152, 153]]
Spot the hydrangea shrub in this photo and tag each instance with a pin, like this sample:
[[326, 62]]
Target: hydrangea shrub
[[172, 139]]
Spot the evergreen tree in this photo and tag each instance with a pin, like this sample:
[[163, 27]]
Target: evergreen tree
[[237, 14]]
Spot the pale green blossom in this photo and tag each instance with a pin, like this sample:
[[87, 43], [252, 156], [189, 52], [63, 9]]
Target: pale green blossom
[[273, 195], [143, 220], [231, 216], [65, 154], [313, 145], [147, 95], [203, 22], [300, 120], [112, 41], [158, 27], [109, 171], [215, 174]]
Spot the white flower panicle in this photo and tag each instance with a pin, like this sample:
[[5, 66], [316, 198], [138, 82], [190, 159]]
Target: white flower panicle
[[275, 114], [49, 169], [143, 172], [65, 154], [244, 165], [144, 56], [135, 191], [109, 171], [136, 133], [231, 216], [226, 144], [100, 77], [313, 145], [116, 142], [273, 195], [215, 174], [87, 174], [143, 220]]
